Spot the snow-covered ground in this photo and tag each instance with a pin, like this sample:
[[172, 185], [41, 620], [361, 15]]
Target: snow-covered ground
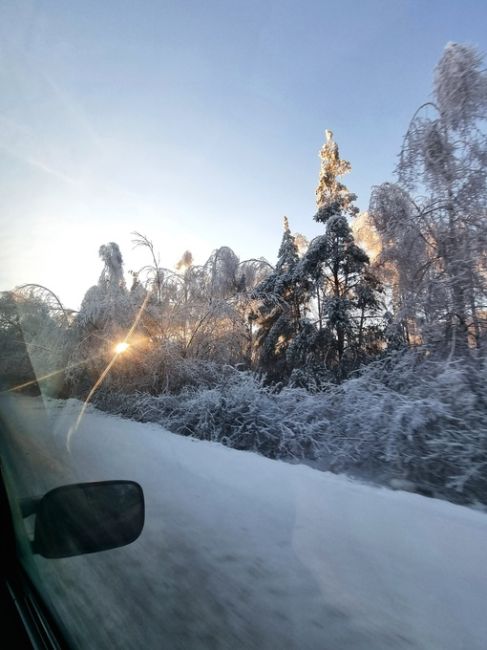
[[239, 551]]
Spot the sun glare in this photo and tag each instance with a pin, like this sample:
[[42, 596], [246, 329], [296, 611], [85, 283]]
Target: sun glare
[[121, 347]]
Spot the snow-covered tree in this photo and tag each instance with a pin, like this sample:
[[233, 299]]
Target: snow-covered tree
[[201, 311], [433, 222], [279, 308], [34, 329], [105, 317], [345, 291], [214, 326]]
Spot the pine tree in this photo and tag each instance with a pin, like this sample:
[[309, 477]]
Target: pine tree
[[280, 304], [345, 291]]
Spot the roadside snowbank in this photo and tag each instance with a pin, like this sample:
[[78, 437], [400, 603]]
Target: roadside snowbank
[[245, 552]]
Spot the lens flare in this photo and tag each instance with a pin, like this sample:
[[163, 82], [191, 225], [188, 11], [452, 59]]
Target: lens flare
[[121, 347]]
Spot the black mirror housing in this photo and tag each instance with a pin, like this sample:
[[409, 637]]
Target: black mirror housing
[[88, 518]]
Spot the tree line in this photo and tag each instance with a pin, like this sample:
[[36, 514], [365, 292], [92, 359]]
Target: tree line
[[324, 309], [383, 315]]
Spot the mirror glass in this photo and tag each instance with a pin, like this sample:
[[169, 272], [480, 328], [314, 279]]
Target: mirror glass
[[88, 517]]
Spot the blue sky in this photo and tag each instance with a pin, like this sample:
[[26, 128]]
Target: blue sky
[[197, 123]]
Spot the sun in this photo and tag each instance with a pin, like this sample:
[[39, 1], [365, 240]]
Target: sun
[[121, 347]]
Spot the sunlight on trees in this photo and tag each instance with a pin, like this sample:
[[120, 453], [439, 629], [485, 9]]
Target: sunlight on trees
[[364, 347]]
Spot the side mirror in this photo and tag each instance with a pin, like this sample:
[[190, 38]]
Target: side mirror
[[87, 518]]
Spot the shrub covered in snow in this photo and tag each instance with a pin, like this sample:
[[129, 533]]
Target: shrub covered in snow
[[240, 412], [421, 420], [405, 417]]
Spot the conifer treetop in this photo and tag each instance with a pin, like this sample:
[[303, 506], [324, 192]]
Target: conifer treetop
[[332, 196]]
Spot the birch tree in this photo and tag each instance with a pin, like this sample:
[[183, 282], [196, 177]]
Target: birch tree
[[433, 220]]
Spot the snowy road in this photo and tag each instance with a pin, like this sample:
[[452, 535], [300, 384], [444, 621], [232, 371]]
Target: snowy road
[[239, 551]]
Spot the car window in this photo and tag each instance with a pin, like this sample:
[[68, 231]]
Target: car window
[[243, 322]]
